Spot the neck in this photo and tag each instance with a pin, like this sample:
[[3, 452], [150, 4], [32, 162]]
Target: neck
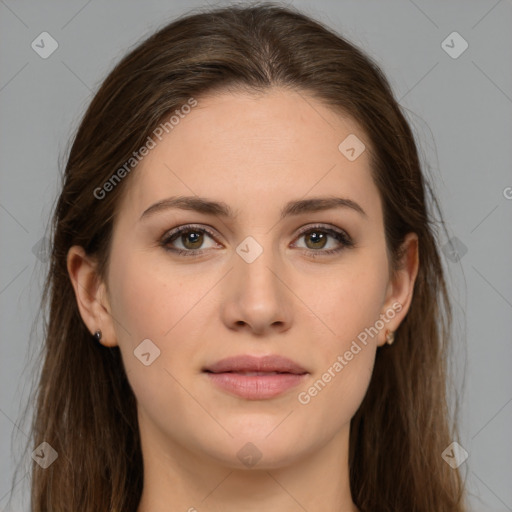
[[176, 479]]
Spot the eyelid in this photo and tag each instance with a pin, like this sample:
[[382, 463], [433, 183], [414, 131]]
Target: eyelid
[[342, 237], [189, 227], [327, 227], [339, 234]]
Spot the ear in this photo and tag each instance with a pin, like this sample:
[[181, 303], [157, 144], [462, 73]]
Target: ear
[[400, 288], [91, 295]]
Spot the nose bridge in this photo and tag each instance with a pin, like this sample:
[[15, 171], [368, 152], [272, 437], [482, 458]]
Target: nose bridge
[[258, 297], [257, 264]]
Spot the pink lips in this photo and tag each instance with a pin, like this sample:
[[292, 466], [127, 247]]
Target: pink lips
[[256, 378]]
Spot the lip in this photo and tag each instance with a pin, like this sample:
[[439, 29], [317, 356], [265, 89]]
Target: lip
[[255, 378], [248, 363]]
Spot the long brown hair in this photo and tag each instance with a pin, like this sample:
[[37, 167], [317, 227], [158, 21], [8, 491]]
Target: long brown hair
[[85, 408]]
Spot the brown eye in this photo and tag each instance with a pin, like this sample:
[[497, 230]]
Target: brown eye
[[187, 240], [192, 239], [318, 239]]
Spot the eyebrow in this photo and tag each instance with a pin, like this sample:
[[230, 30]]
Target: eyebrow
[[219, 208]]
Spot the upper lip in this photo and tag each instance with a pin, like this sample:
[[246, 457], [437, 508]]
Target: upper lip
[[247, 363]]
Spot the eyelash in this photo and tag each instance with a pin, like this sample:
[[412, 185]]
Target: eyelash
[[341, 236]]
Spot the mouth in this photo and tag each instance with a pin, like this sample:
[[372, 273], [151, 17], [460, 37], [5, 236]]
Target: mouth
[[255, 378], [253, 373], [256, 364]]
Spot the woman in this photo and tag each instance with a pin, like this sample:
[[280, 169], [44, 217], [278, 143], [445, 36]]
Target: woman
[[247, 308]]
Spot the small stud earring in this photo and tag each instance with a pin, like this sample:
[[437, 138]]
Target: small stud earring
[[97, 335], [390, 337]]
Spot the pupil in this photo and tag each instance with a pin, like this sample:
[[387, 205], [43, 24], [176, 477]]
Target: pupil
[[320, 238], [195, 238]]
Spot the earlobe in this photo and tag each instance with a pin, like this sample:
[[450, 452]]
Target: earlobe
[[400, 288], [90, 294]]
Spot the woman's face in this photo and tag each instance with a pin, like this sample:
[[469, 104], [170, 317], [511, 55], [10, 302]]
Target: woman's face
[[253, 282]]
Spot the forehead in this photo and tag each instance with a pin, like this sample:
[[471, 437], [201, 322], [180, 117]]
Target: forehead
[[253, 151]]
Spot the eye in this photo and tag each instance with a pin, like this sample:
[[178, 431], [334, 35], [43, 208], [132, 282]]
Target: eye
[[190, 237], [193, 237], [317, 238]]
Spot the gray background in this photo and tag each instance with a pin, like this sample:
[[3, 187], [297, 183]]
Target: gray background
[[460, 109]]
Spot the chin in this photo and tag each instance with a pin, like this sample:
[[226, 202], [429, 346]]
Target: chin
[[258, 450]]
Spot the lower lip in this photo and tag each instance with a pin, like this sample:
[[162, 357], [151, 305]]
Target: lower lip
[[256, 387]]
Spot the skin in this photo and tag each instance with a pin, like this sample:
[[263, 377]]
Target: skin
[[255, 153]]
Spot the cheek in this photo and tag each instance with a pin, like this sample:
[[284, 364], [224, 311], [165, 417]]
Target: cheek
[[344, 357], [349, 304], [351, 299], [149, 303], [150, 298]]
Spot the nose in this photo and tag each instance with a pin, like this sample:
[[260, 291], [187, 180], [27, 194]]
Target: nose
[[257, 298]]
